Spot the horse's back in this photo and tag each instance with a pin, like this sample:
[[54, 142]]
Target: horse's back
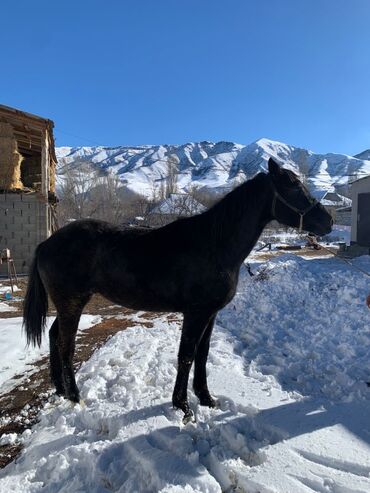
[[73, 253]]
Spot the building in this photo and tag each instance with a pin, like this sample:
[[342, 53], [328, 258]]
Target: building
[[332, 201], [360, 224], [27, 184], [343, 216]]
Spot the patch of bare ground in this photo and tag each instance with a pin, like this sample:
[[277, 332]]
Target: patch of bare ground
[[19, 408], [98, 305]]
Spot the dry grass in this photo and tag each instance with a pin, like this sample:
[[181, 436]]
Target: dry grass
[[264, 256], [10, 159]]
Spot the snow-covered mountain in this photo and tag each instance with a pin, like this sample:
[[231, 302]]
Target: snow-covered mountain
[[215, 167]]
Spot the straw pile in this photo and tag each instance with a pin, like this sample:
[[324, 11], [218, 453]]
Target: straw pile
[[52, 177], [10, 159]]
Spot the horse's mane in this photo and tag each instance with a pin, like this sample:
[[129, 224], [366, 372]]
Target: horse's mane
[[244, 199], [218, 225]]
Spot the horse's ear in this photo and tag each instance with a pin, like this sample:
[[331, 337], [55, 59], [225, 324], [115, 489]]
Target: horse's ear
[[274, 168]]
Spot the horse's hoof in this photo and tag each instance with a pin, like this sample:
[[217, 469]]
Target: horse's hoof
[[73, 397], [80, 403], [184, 407], [208, 401], [188, 418]]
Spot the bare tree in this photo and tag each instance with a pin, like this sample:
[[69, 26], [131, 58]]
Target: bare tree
[[168, 184], [107, 199], [87, 193], [172, 174], [203, 196], [74, 193]]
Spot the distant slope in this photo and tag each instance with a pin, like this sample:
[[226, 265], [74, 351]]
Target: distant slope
[[363, 155], [215, 167]]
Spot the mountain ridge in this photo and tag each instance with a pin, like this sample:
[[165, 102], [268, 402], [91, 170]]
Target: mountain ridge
[[213, 166]]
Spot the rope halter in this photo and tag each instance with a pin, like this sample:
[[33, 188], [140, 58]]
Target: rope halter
[[300, 212]]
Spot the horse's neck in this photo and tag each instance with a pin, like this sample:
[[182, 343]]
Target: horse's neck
[[239, 219]]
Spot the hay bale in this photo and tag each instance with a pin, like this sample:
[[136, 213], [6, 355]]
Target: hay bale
[[10, 159], [52, 177]]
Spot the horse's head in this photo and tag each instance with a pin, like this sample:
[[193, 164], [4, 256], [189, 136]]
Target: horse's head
[[293, 205]]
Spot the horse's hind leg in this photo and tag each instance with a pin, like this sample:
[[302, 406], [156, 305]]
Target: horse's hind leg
[[68, 318], [194, 326], [200, 374], [55, 361]]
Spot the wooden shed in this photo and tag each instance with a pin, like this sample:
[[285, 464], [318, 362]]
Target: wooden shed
[[27, 183], [360, 225]]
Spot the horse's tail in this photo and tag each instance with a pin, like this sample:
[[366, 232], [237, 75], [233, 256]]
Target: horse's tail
[[35, 306]]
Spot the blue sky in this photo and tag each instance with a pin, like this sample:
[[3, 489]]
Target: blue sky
[[128, 72]]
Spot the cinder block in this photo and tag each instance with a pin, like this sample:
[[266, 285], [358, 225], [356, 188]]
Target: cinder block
[[16, 206], [31, 219], [17, 224], [17, 197], [14, 212], [28, 227]]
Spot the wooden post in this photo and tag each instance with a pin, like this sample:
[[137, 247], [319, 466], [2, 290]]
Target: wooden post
[[6, 257], [45, 164], [45, 185]]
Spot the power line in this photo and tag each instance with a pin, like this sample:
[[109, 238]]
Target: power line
[[96, 144]]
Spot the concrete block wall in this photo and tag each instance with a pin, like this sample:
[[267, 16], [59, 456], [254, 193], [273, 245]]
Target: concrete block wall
[[24, 223], [343, 218]]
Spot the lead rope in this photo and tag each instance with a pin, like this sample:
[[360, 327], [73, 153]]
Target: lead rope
[[343, 259], [300, 222]]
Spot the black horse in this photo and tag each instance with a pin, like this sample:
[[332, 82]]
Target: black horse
[[189, 266]]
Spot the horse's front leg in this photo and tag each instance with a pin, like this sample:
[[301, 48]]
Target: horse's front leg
[[200, 373], [193, 329]]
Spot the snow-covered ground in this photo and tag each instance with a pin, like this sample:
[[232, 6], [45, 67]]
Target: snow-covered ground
[[289, 363], [16, 358]]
